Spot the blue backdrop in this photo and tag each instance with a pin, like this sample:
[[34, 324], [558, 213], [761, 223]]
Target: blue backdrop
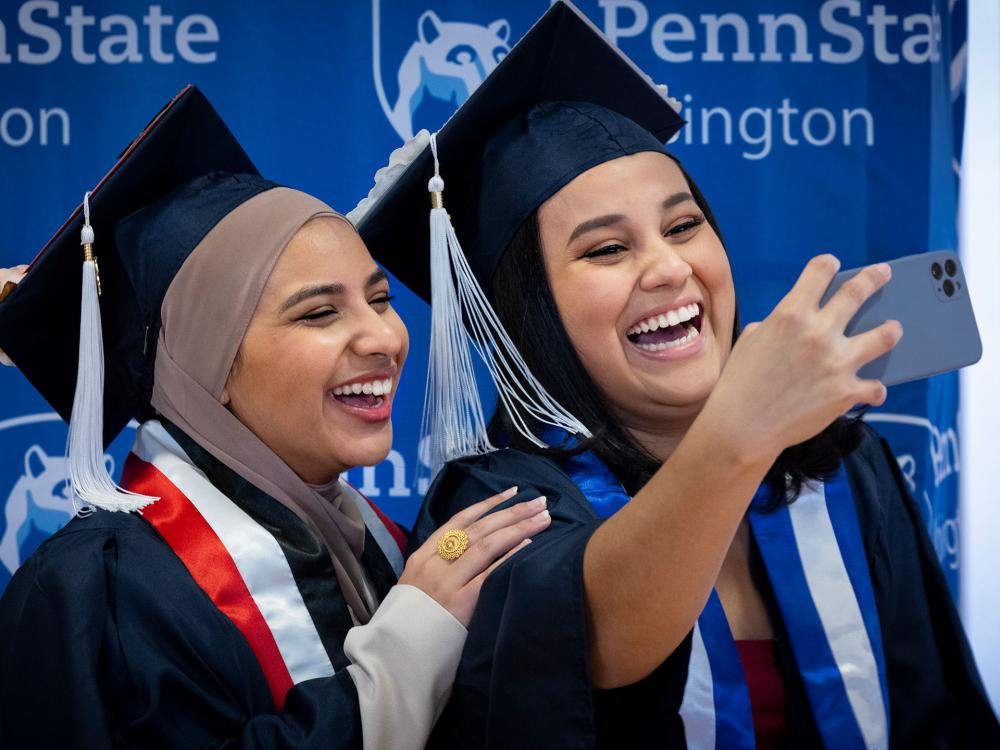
[[813, 126]]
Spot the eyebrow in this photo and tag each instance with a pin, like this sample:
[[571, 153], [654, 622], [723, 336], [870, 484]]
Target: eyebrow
[[611, 219], [596, 223], [319, 290], [378, 275], [678, 198]]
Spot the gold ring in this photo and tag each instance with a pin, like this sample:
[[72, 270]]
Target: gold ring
[[452, 544]]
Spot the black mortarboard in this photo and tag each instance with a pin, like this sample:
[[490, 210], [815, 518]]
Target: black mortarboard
[[509, 147], [527, 161], [564, 100], [181, 175]]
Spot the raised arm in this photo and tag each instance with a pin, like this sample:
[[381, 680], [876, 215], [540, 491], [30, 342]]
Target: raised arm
[[648, 570]]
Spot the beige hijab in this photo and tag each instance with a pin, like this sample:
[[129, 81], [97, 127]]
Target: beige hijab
[[205, 315]]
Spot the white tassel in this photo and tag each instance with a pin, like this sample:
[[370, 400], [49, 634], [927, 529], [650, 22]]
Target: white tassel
[[453, 417], [88, 474]]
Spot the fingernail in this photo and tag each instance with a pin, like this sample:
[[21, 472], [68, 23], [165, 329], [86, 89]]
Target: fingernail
[[884, 269], [511, 491], [538, 503], [542, 518]]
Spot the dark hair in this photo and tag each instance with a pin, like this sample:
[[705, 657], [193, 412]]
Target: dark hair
[[523, 300]]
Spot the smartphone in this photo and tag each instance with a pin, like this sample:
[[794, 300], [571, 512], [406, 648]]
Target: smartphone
[[929, 295]]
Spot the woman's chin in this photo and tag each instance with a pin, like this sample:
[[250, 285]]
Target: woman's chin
[[367, 451], [665, 396], [672, 378]]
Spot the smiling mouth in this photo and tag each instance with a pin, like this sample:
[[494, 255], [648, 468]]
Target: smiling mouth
[[668, 330], [367, 395]]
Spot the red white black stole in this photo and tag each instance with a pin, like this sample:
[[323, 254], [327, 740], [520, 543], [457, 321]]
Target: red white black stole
[[255, 559]]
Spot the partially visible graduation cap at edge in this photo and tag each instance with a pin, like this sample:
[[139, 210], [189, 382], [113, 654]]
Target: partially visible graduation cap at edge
[[146, 216], [564, 100]]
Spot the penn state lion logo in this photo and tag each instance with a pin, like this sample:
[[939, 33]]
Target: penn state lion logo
[[442, 67], [34, 485], [41, 501]]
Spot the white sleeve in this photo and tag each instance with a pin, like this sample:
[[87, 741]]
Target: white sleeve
[[403, 663]]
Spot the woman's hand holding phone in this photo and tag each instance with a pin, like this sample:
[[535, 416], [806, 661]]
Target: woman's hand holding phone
[[792, 374]]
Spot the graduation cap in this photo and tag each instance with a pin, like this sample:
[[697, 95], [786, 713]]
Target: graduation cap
[[564, 100], [181, 175]]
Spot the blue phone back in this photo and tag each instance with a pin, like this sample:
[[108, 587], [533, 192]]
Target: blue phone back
[[939, 330]]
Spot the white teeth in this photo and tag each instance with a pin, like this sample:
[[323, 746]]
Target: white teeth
[[372, 388], [692, 333], [672, 318]]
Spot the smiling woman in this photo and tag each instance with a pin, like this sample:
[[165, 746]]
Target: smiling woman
[[725, 526], [731, 562], [608, 276], [324, 325], [258, 601]]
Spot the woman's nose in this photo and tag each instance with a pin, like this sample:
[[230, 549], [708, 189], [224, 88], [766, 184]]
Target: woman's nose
[[379, 334], [664, 266]]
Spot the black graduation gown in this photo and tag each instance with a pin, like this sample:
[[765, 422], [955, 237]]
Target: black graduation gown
[[107, 641], [523, 683]]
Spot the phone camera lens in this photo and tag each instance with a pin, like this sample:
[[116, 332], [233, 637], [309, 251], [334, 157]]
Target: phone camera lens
[[950, 268], [936, 270], [949, 287]]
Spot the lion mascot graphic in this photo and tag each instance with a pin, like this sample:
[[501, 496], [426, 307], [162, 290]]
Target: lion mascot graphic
[[446, 63]]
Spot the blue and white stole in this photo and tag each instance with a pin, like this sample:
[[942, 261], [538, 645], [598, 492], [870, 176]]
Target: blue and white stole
[[815, 559]]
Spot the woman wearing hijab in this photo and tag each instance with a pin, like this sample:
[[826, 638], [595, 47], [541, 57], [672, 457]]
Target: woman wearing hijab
[[254, 602], [730, 564]]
